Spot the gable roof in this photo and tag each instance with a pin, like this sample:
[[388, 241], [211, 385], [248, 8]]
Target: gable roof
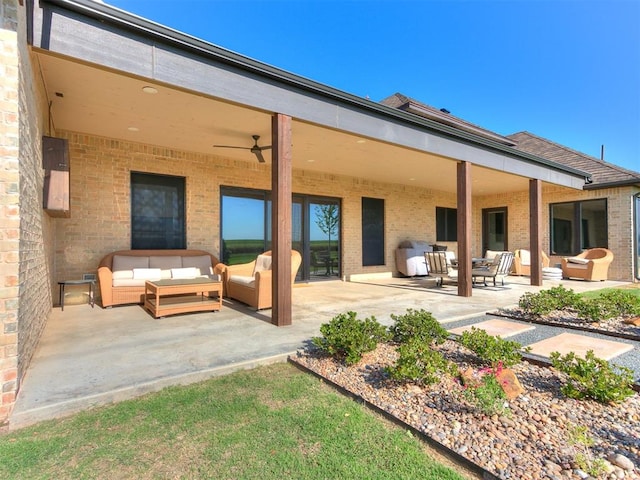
[[407, 104], [603, 174]]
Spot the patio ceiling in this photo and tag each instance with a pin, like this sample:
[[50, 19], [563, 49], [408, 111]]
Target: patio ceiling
[[107, 103]]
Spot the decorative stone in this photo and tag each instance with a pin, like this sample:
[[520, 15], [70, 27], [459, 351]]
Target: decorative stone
[[621, 461], [632, 321], [510, 383]]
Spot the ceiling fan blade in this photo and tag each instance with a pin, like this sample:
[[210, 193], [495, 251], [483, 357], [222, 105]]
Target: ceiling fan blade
[[231, 146], [268, 147], [258, 154]]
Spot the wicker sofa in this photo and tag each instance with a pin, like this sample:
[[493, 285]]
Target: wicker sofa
[[120, 284]]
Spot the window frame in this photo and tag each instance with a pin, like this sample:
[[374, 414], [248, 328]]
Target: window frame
[[577, 239], [449, 216], [138, 180], [373, 242]]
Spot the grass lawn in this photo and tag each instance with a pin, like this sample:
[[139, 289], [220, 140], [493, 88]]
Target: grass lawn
[[633, 288], [272, 422]]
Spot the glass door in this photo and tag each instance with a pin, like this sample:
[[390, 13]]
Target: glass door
[[494, 229], [324, 238]]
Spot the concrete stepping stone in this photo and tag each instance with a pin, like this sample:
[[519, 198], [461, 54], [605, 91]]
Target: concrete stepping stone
[[580, 345], [496, 328]]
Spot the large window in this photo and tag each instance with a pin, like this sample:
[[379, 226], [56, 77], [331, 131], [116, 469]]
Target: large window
[[446, 224], [576, 226], [157, 211], [372, 231]]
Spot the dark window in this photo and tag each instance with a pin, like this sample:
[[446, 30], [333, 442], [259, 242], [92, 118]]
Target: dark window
[[446, 224], [157, 211], [372, 231], [577, 226]]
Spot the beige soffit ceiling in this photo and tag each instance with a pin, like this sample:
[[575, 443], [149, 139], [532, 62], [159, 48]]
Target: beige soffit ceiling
[[105, 103]]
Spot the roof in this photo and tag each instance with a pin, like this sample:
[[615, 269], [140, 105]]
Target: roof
[[407, 104], [603, 174]]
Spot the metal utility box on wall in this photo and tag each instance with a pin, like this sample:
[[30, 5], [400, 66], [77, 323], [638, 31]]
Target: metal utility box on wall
[[55, 161]]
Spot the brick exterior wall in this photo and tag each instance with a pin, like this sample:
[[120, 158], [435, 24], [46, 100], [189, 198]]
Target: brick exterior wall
[[619, 218], [26, 256], [100, 205], [100, 202]]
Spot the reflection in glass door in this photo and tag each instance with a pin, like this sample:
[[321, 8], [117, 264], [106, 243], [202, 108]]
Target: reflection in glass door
[[494, 229], [315, 230], [324, 235]]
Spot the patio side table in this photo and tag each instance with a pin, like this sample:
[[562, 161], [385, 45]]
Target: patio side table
[[64, 283]]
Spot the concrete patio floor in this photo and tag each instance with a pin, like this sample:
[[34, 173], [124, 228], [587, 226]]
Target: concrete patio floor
[[88, 357]]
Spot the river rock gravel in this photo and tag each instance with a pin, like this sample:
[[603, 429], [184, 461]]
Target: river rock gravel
[[529, 441]]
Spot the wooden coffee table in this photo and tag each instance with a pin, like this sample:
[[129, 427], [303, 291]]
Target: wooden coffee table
[[172, 296]]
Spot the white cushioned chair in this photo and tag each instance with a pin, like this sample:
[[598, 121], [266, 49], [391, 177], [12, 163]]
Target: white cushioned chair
[[522, 261], [251, 282]]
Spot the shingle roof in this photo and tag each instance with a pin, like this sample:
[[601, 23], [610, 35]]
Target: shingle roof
[[407, 104], [604, 174]]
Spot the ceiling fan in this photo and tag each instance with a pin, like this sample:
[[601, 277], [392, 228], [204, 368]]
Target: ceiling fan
[[255, 149]]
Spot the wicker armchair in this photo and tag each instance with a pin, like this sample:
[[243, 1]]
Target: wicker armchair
[[251, 282], [522, 262], [592, 265]]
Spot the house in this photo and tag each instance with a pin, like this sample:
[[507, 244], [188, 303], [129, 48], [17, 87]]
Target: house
[[132, 121]]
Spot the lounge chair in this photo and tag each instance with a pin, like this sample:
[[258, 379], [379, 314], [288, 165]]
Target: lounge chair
[[522, 262], [251, 282], [592, 265]]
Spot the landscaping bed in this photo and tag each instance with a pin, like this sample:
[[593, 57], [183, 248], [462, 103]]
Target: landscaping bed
[[531, 440], [475, 397]]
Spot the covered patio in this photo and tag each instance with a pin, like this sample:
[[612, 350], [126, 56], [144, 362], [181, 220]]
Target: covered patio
[[89, 357]]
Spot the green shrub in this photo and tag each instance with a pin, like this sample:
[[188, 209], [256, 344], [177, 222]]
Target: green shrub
[[419, 325], [418, 362], [578, 436], [490, 349], [593, 377], [488, 395], [620, 302], [348, 337], [546, 301]]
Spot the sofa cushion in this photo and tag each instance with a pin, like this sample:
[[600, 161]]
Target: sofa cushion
[[242, 280], [146, 274], [128, 262], [165, 262], [122, 275], [263, 262], [579, 261], [201, 262], [188, 272], [525, 257]]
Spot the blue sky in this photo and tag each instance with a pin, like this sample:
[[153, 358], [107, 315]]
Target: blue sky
[[566, 70]]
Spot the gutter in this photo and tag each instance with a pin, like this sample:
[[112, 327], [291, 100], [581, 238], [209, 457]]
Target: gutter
[[159, 33], [620, 183]]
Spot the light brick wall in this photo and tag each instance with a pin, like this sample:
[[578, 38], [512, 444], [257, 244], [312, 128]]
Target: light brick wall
[[26, 256], [620, 221], [100, 204]]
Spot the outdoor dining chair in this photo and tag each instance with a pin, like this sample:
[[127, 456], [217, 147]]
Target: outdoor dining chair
[[439, 266], [500, 267]]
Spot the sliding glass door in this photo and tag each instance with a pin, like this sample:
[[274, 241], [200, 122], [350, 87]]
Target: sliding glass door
[[315, 222]]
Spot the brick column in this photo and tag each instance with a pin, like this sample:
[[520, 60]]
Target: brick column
[[9, 207]]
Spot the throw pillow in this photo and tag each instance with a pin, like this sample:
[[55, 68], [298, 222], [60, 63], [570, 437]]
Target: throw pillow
[[187, 272], [146, 273]]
